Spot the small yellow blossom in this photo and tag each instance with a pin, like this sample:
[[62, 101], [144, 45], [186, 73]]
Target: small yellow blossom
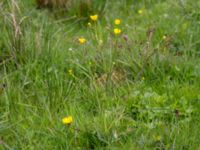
[[94, 17], [82, 40], [140, 11], [67, 120], [143, 78], [70, 71], [89, 24], [117, 21], [117, 31]]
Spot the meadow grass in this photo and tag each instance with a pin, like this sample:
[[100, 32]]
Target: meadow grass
[[139, 89]]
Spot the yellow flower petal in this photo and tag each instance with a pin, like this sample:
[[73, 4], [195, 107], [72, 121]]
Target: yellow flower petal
[[82, 40], [117, 21], [94, 17], [67, 120], [117, 31]]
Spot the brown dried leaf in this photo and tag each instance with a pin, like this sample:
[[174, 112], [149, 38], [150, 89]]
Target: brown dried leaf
[[116, 77]]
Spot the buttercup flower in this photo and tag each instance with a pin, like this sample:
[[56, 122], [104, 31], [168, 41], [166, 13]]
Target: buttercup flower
[[117, 31], [67, 120], [94, 17], [82, 40], [117, 21]]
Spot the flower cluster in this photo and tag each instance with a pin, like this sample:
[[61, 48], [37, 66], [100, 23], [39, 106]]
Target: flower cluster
[[117, 30], [94, 18]]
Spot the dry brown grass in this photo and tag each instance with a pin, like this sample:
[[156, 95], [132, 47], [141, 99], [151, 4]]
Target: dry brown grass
[[61, 3], [53, 3], [115, 77]]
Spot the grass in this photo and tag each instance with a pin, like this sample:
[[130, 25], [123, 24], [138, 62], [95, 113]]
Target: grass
[[136, 90]]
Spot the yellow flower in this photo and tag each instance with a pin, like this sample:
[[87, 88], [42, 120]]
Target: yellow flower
[[67, 120], [140, 11], [70, 71], [82, 40], [94, 17], [117, 31], [117, 21]]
